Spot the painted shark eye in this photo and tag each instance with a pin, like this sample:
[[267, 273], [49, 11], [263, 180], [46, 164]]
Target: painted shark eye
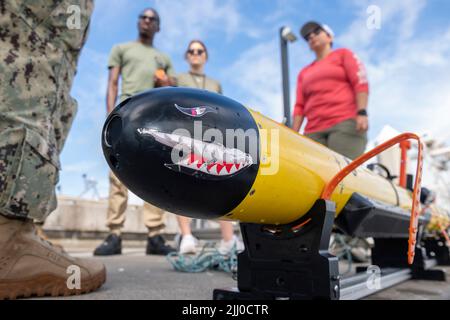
[[195, 111]]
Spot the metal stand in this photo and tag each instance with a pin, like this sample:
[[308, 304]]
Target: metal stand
[[437, 249], [390, 253], [283, 263], [292, 261]]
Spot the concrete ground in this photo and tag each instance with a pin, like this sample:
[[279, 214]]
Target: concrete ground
[[133, 275]]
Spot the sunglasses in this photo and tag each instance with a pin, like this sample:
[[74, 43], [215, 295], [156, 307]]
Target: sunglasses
[[315, 32], [197, 52], [151, 19]]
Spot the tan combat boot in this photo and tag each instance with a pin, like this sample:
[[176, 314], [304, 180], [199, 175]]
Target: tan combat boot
[[41, 234], [31, 266]]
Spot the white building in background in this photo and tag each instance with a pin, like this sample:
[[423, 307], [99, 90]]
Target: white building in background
[[436, 164]]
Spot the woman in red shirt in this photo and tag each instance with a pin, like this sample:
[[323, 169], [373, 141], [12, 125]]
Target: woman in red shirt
[[332, 94]]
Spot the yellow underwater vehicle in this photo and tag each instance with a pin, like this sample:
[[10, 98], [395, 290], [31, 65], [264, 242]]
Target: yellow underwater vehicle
[[203, 155]]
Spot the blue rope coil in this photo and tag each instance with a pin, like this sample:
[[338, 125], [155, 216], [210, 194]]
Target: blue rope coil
[[208, 258]]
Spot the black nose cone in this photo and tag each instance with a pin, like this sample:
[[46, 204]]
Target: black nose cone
[[188, 151]]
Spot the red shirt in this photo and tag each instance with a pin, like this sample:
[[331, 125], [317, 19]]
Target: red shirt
[[326, 90]]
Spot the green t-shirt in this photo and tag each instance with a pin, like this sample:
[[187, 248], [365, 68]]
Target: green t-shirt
[[138, 64], [198, 81]]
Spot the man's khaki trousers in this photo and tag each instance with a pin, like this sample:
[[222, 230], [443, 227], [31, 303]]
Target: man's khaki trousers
[[118, 199]]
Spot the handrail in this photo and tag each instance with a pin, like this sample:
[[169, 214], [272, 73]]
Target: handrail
[[413, 223], [444, 233]]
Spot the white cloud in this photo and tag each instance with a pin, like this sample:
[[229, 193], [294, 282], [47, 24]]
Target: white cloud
[[256, 77], [408, 75], [107, 13], [257, 80], [199, 19], [409, 78], [80, 167], [397, 16], [280, 10]]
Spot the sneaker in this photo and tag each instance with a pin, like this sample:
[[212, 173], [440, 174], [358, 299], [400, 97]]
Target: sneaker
[[31, 266], [157, 245], [112, 245], [225, 247], [188, 244]]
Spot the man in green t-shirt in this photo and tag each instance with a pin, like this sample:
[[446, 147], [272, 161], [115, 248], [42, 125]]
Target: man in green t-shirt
[[141, 67]]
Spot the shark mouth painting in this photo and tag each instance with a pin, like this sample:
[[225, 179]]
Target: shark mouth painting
[[202, 159]]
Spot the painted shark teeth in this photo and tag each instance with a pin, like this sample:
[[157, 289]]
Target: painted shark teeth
[[209, 158]]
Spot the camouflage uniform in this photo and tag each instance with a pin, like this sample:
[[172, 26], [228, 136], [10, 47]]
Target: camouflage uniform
[[40, 41]]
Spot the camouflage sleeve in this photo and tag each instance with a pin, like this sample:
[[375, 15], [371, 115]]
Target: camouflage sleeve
[[115, 57], [41, 43]]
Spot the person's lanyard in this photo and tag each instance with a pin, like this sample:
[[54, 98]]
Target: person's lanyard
[[194, 78]]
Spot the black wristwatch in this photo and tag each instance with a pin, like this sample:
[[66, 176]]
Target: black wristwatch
[[362, 112]]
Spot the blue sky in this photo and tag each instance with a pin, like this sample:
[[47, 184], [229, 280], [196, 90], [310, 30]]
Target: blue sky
[[407, 60]]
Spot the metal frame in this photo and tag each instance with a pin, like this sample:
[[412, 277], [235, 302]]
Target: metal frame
[[279, 263], [291, 262]]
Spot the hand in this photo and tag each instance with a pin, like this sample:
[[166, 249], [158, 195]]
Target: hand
[[162, 80], [362, 123]]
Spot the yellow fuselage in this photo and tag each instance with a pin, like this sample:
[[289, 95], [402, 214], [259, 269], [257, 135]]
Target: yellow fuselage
[[291, 178]]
